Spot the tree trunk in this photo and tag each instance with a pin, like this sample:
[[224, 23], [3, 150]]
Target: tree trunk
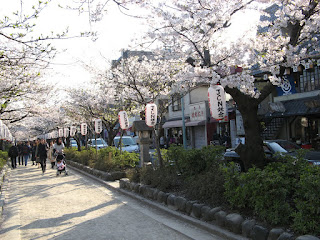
[[157, 142], [252, 152]]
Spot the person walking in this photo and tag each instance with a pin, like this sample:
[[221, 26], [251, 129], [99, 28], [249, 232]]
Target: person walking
[[20, 156], [26, 149], [42, 154], [50, 155], [13, 153], [58, 146], [33, 152]]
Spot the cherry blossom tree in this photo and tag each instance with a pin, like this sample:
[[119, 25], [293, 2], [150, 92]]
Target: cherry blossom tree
[[85, 105], [194, 29], [145, 79]]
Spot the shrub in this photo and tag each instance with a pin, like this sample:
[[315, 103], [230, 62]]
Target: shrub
[[133, 174], [307, 201], [207, 187], [100, 160], [3, 158], [194, 161], [282, 193], [165, 179]]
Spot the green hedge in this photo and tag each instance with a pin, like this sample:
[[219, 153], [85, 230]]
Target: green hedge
[[282, 193], [3, 158], [100, 160]]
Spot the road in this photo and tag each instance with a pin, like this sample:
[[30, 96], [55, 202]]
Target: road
[[77, 207]]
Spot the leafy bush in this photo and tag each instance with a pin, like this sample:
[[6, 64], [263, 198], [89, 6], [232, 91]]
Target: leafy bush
[[165, 179], [282, 193], [194, 161], [164, 154], [207, 187], [192, 166], [3, 158], [307, 202], [100, 160]]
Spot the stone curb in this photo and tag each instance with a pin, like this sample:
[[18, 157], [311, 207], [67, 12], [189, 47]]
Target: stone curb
[[4, 182]]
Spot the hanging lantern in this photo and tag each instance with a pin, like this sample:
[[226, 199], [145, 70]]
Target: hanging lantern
[[123, 120], [151, 114], [66, 132], [98, 125], [60, 132], [217, 102], [55, 134], [73, 131], [84, 129]]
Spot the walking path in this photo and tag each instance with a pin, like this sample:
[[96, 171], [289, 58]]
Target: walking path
[[77, 207]]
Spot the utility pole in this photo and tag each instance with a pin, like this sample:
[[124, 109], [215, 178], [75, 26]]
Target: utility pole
[[184, 137]]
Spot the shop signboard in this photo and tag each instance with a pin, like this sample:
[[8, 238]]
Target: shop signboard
[[198, 111]]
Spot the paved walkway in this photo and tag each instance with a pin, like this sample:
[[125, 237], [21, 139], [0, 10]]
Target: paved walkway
[[77, 207]]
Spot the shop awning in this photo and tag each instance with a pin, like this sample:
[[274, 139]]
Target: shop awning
[[172, 124], [195, 123]]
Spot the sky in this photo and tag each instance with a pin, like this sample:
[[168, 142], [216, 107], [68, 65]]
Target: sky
[[114, 33]]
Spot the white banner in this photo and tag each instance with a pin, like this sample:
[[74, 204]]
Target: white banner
[[84, 129], [98, 125]]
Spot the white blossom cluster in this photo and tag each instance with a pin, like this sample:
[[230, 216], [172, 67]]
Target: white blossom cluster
[[190, 26]]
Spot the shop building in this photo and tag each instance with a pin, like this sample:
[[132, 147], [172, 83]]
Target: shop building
[[292, 111], [201, 129]]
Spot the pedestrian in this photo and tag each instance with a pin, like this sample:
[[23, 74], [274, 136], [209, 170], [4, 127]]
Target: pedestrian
[[42, 154], [36, 153], [58, 146], [33, 152], [162, 142], [13, 153], [20, 156], [50, 154], [26, 149]]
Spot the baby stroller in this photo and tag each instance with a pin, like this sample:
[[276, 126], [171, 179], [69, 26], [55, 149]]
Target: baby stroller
[[61, 164]]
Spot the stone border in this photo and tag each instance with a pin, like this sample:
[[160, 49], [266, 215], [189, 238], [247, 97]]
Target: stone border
[[3, 185], [106, 176], [233, 222]]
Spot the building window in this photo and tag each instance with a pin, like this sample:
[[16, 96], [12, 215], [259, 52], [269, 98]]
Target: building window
[[176, 102], [310, 80]]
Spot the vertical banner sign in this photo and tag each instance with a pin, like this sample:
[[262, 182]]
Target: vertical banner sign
[[73, 131], [60, 132], [123, 120], [98, 125], [66, 132], [217, 102], [151, 114], [84, 129]]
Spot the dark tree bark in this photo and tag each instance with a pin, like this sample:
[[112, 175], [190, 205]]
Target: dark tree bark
[[251, 153]]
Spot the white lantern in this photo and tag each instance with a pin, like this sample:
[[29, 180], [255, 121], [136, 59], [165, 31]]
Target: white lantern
[[123, 120], [60, 132], [151, 114], [55, 134], [73, 131], [66, 132], [217, 102], [98, 125], [84, 129]]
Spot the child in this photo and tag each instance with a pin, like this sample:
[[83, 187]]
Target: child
[[60, 165]]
